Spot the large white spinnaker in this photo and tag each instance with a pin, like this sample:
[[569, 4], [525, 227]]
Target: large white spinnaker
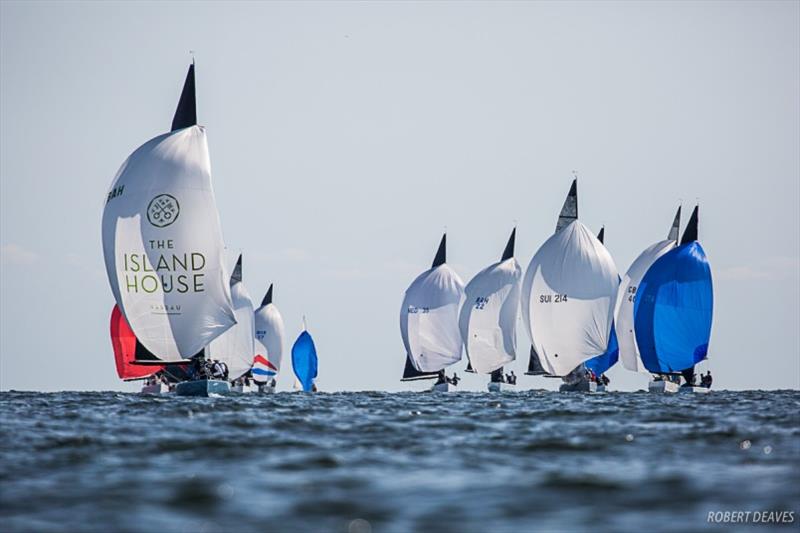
[[269, 335], [626, 297], [568, 293], [162, 241], [488, 318], [236, 346], [429, 316]]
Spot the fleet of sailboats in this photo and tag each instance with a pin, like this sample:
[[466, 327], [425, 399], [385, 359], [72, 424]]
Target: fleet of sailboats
[[183, 321]]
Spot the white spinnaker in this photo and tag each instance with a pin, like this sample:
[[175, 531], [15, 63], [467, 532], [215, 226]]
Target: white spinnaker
[[488, 318], [270, 332], [429, 319], [626, 297], [236, 347], [163, 246], [568, 293]]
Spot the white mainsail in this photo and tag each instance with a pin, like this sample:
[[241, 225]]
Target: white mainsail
[[162, 241], [236, 346], [270, 331], [568, 293], [626, 297], [429, 316], [488, 318]]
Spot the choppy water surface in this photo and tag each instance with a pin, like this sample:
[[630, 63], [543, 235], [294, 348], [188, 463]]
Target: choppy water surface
[[394, 462]]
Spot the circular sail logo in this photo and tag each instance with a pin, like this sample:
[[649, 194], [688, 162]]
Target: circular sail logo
[[163, 210]]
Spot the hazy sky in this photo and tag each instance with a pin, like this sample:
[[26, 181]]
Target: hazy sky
[[345, 136]]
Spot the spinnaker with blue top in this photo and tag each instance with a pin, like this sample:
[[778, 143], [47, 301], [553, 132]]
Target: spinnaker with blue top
[[673, 308], [304, 361]]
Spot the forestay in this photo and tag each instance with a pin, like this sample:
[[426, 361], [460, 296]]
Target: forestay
[[429, 317], [163, 245], [568, 294], [488, 318]]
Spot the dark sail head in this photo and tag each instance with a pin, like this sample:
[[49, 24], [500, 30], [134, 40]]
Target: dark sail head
[[674, 231], [569, 211], [236, 277], [690, 233], [469, 367], [508, 253], [186, 113], [267, 297], [602, 235], [441, 253]]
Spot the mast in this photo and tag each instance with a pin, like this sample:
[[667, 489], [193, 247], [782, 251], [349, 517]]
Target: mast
[[186, 112], [674, 231], [441, 253], [569, 211], [508, 253], [690, 233]]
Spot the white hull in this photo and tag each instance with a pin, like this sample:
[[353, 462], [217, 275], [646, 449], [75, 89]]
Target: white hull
[[266, 389], [663, 387], [158, 388], [242, 389], [493, 386], [695, 390], [581, 386], [601, 388], [440, 387]]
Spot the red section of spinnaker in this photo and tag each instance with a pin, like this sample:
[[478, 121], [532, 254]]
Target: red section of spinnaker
[[124, 342]]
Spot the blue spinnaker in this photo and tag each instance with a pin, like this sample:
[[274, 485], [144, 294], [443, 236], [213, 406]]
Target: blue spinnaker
[[600, 364], [673, 310], [304, 360]]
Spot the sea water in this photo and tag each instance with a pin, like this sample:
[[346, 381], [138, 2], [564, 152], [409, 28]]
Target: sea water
[[371, 461]]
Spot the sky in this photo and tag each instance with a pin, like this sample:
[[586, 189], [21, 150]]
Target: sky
[[345, 137]]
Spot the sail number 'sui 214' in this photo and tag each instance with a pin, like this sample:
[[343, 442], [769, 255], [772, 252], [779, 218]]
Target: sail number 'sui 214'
[[552, 298]]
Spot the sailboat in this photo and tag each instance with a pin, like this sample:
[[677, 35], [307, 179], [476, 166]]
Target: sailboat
[[162, 242], [568, 293], [624, 307], [429, 321], [236, 347], [488, 318], [673, 311], [269, 344], [304, 361], [124, 343], [600, 364]]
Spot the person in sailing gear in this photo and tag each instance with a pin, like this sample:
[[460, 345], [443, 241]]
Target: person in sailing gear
[[604, 379], [689, 376], [706, 379], [441, 378], [454, 380], [497, 376], [511, 378]]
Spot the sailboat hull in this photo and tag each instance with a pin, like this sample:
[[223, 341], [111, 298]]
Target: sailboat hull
[[242, 389], [663, 387], [266, 389], [440, 387], [159, 388], [202, 387], [494, 386], [581, 386], [695, 390]]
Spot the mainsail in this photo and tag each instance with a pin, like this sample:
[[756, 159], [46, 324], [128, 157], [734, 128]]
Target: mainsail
[[627, 295], [674, 306], [269, 339], [600, 364], [488, 318], [567, 295], [162, 241], [429, 316], [304, 360], [124, 343], [236, 347]]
